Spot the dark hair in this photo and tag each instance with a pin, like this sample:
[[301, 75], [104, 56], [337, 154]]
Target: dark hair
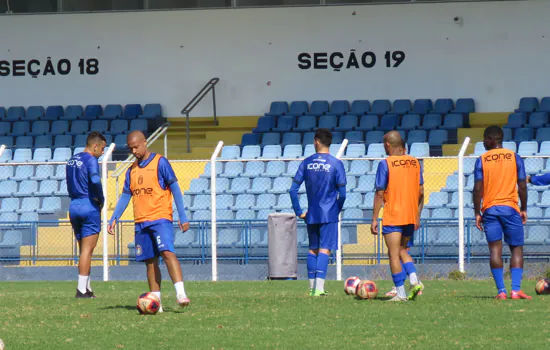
[[324, 136], [494, 132], [95, 137]]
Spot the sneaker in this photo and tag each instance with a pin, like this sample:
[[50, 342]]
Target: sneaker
[[183, 301], [392, 292], [501, 296], [519, 295], [310, 292], [415, 289], [319, 293], [80, 295], [398, 298], [91, 294], [161, 309]]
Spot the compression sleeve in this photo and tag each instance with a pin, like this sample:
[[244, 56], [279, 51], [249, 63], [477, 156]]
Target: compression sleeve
[[98, 188], [341, 197], [178, 198], [294, 198], [120, 206], [541, 180]]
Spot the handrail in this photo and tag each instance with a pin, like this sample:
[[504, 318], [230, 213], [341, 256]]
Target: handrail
[[210, 86], [152, 138]]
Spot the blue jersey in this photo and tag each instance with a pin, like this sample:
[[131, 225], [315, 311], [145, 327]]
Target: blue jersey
[[323, 175], [83, 179]]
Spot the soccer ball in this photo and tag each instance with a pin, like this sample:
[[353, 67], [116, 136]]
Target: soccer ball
[[367, 290], [542, 286], [350, 286], [2, 346], [148, 304]]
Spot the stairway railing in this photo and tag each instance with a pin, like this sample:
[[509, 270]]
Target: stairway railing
[[210, 86]]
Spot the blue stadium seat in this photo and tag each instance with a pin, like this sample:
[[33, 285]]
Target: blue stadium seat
[[43, 172], [401, 107], [265, 124], [544, 149], [374, 137], [14, 114], [464, 106], [437, 199], [438, 137], [366, 183], [533, 165], [271, 138], [23, 172], [78, 150], [410, 122], [538, 120], [309, 150], [339, 107], [292, 138], [26, 188], [92, 112], [442, 213], [469, 164], [132, 111], [376, 150], [244, 201], [453, 121], [59, 127], [5, 128], [139, 124], [278, 108], [80, 127], [73, 113], [292, 151], [528, 104], [250, 139], [544, 105], [479, 149], [245, 214], [516, 120], [420, 149], [359, 167], [353, 200], [298, 108], [352, 213], [443, 106], [254, 169], [306, 123], [265, 201], [532, 198], [34, 113], [20, 129], [337, 137], [42, 155], [207, 167], [469, 184], [347, 123], [66, 141], [41, 127], [251, 152], [334, 148], [431, 121], [29, 204], [319, 108], [453, 204], [9, 205], [537, 235], [231, 152], [7, 141], [222, 185], [380, 107], [528, 148], [351, 182], [24, 142], [355, 150], [285, 123], [8, 188], [260, 185], [29, 217], [2, 112], [417, 136], [354, 136], [507, 134], [368, 201], [545, 200], [367, 123], [292, 167], [201, 202], [118, 126], [543, 134], [53, 113], [328, 122], [452, 183], [198, 186], [100, 126], [62, 189], [239, 185], [6, 156], [510, 145], [59, 172], [22, 155], [111, 112], [272, 151], [283, 202], [6, 172], [201, 215], [152, 110], [422, 106], [360, 107], [281, 185], [62, 154], [9, 218]]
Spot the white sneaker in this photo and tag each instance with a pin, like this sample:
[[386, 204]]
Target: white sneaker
[[161, 309], [392, 292], [183, 301], [398, 298]]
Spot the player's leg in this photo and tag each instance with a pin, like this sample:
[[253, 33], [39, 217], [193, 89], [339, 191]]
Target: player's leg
[[77, 222], [408, 263], [493, 233], [514, 237], [392, 237], [90, 235], [313, 239], [87, 246], [328, 241]]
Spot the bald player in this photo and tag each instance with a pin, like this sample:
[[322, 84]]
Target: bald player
[[500, 177], [151, 183], [400, 190]]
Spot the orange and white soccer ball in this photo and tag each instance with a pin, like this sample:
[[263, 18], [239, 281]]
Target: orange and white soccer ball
[[367, 290], [148, 304], [543, 286], [350, 286]]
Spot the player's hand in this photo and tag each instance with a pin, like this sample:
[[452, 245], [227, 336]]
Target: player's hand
[[303, 216], [183, 227], [523, 215], [111, 228], [374, 227], [528, 179], [479, 223]]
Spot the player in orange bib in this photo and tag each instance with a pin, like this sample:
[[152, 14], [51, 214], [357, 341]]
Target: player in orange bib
[[499, 178], [151, 183], [400, 189]]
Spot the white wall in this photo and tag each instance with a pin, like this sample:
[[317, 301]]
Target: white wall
[[500, 53]]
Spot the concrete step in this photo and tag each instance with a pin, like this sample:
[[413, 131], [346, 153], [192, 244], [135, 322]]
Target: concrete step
[[483, 120]]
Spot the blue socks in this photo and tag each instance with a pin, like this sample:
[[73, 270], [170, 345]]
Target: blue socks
[[399, 278], [517, 274], [498, 275], [311, 265], [409, 268], [322, 266]]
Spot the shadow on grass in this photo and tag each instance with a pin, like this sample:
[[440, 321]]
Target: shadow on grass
[[134, 308]]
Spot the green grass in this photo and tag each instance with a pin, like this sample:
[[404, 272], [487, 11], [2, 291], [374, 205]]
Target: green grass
[[238, 315]]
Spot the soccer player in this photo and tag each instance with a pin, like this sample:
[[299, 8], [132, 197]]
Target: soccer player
[[539, 180], [86, 193], [325, 180], [499, 176], [151, 183], [400, 189]]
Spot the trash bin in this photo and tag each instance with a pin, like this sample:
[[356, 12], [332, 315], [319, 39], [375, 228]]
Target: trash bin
[[282, 246]]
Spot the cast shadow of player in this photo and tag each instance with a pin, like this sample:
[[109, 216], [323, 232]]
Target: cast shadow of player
[[134, 308]]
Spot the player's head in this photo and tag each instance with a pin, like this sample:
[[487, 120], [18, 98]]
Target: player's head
[[95, 144], [393, 143], [492, 137], [137, 144], [322, 139]]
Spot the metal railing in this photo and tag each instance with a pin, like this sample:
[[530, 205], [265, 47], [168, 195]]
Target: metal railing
[[210, 86]]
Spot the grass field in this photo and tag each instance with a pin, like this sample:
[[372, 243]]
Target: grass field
[[238, 315]]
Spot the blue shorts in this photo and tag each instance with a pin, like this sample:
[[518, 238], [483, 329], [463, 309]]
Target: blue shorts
[[152, 238], [85, 218], [405, 230], [495, 226], [323, 236]]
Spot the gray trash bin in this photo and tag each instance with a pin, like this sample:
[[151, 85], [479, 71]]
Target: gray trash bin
[[282, 246]]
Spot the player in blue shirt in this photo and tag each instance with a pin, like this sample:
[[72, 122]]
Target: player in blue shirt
[[325, 180], [86, 193], [539, 180]]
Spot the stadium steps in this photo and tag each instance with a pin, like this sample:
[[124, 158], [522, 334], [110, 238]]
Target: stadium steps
[[483, 120]]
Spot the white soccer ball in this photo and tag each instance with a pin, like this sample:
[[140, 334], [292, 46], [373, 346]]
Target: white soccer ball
[[2, 346]]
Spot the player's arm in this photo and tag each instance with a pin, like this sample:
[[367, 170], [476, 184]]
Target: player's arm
[[95, 181], [539, 180], [167, 173], [122, 203], [296, 183], [522, 188], [478, 192], [420, 198], [341, 182], [381, 183]]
